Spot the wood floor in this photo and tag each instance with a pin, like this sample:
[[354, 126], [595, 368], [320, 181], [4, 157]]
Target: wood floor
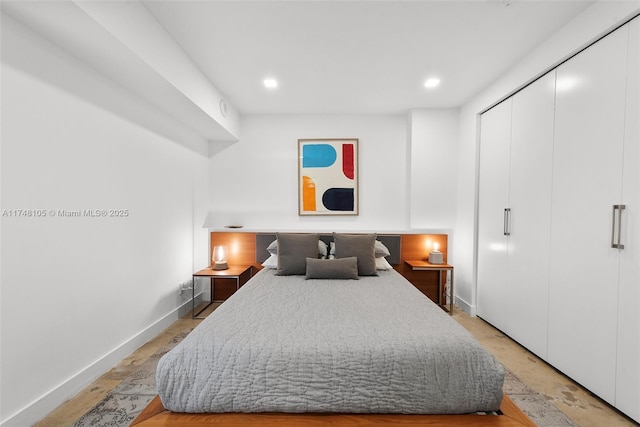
[[578, 404]]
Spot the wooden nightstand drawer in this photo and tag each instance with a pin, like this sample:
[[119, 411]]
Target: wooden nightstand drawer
[[425, 281], [225, 281]]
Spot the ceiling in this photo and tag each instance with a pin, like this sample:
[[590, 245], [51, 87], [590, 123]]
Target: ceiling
[[186, 61], [357, 57]]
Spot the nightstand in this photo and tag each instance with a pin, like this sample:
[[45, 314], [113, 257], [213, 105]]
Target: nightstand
[[238, 273], [427, 266]]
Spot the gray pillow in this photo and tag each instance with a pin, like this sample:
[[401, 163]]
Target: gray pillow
[[381, 249], [361, 246], [322, 248], [343, 268], [293, 251]]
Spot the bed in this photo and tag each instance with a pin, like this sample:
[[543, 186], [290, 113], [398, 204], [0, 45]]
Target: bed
[[302, 344]]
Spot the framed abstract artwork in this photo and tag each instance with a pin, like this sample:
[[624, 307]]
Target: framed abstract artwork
[[328, 176]]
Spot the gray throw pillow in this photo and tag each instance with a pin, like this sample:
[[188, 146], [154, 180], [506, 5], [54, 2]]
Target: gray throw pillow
[[361, 246], [343, 268], [293, 251]]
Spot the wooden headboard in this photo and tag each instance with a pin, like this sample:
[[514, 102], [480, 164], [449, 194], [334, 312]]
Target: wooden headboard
[[247, 248]]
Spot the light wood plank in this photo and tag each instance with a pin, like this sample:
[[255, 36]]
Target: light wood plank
[[156, 416]]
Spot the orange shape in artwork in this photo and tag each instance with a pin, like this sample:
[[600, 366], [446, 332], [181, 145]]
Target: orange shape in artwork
[[308, 194]]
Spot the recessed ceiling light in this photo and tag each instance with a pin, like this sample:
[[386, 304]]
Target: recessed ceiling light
[[270, 83], [432, 82]]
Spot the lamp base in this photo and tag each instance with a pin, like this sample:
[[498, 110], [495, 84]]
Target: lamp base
[[435, 257], [220, 266]]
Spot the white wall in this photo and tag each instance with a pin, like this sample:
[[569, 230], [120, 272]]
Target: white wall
[[585, 28], [254, 181], [81, 293], [434, 152]]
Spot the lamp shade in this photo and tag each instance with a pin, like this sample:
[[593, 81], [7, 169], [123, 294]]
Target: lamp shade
[[219, 256]]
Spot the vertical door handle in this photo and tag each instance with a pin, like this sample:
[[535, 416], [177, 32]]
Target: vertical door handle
[[616, 220], [613, 228], [620, 209], [507, 220]]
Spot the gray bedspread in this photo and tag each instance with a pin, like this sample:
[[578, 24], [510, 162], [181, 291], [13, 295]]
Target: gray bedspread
[[286, 344]]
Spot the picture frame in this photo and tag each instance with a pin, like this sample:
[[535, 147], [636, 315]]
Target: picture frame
[[328, 176]]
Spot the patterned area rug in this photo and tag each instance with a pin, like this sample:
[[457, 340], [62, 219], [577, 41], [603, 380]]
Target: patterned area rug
[[123, 404]]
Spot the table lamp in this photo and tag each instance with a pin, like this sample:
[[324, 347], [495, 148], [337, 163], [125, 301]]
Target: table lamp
[[219, 257], [435, 256]]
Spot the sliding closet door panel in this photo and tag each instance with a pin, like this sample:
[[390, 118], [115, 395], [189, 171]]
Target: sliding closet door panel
[[587, 182], [628, 367], [495, 139], [530, 202]]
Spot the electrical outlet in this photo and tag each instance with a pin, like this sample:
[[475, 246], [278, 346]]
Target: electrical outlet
[[185, 286]]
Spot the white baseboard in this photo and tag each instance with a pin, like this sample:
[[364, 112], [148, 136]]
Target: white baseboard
[[49, 401], [465, 306]]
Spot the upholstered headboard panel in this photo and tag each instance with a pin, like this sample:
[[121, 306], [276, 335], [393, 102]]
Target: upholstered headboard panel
[[391, 241]]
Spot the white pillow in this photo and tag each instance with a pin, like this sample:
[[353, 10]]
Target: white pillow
[[271, 262], [322, 249], [273, 248], [381, 249], [383, 264]]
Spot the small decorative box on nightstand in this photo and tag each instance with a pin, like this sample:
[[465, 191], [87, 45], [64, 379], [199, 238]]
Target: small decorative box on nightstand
[[435, 258]]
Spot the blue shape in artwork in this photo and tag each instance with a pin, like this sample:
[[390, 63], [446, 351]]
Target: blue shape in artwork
[[338, 199], [318, 156]]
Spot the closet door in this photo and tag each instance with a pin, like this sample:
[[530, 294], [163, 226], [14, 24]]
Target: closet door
[[495, 141], [530, 203], [587, 183], [628, 357]]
